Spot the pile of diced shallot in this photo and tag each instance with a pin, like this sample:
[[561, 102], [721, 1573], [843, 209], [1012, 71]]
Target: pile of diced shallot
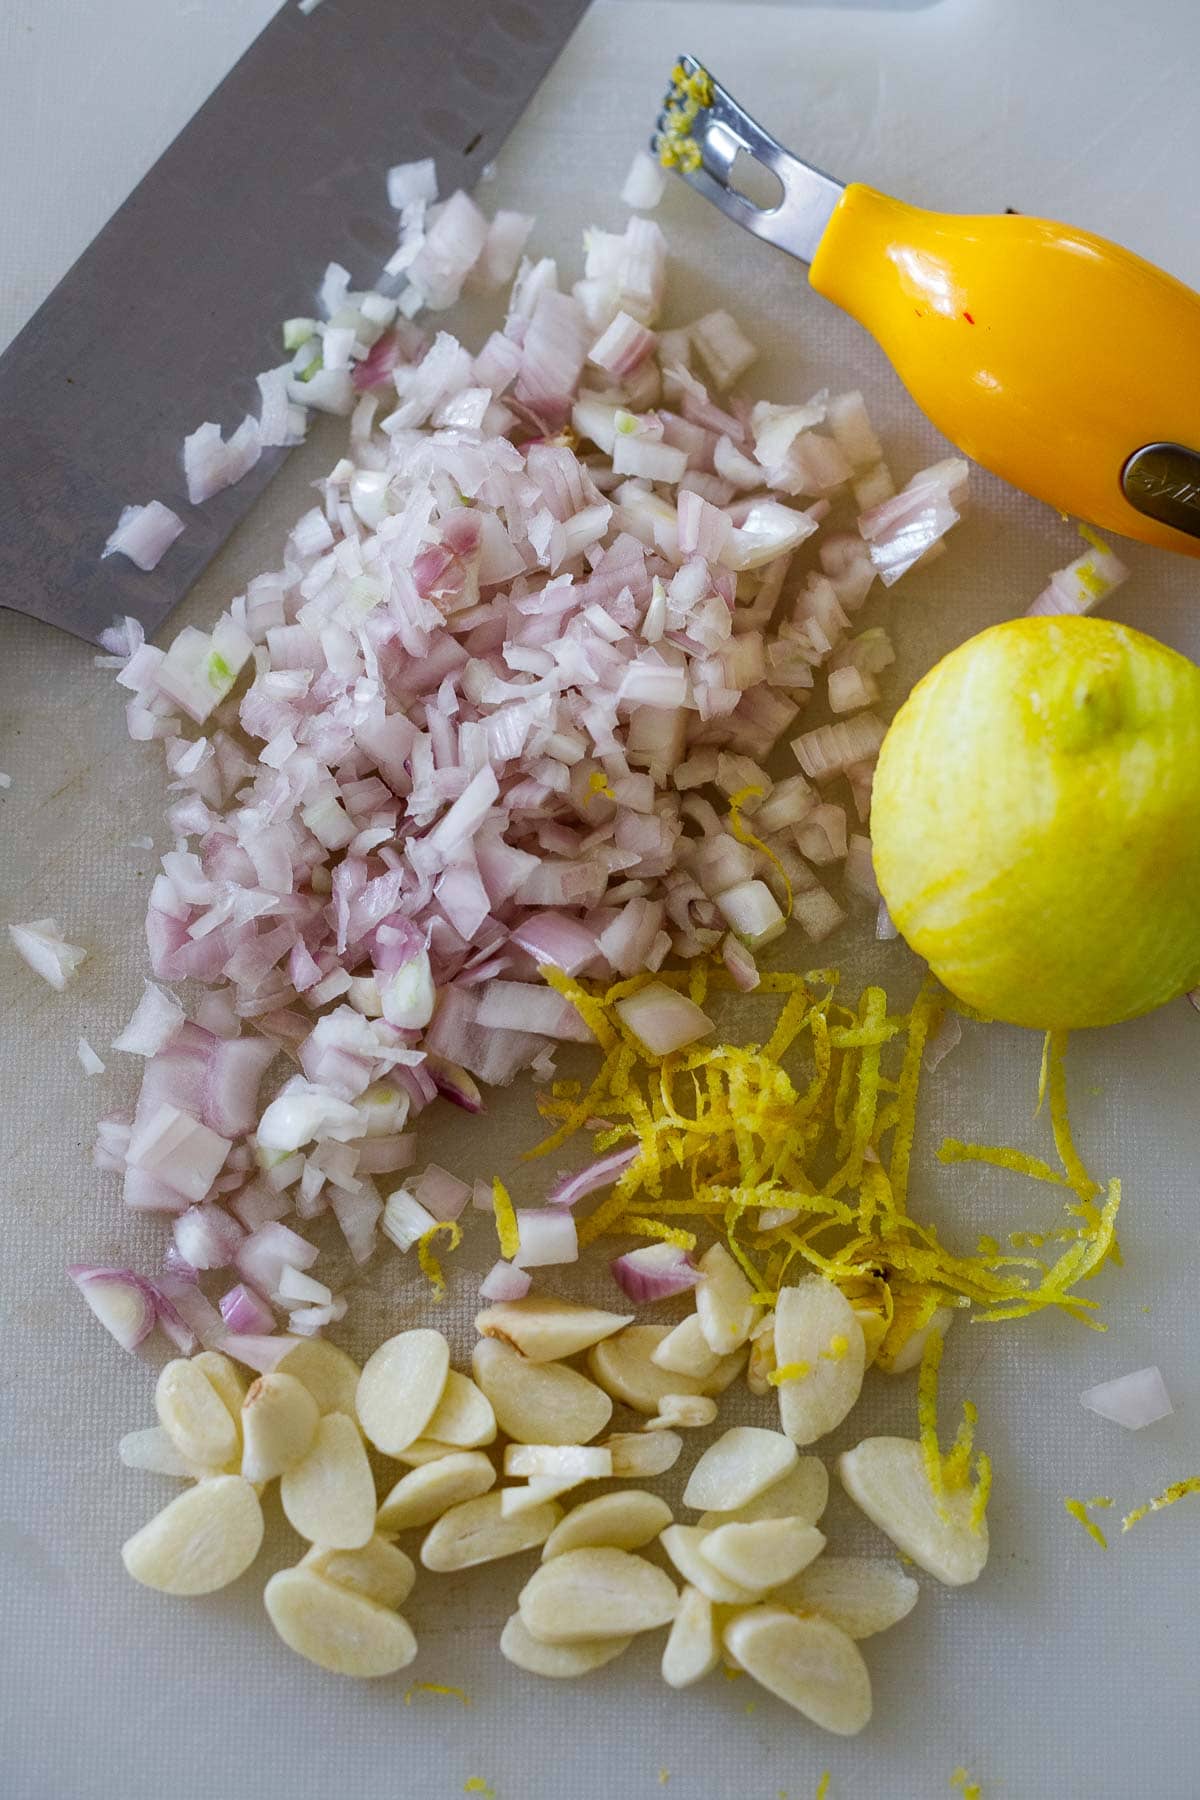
[[509, 701]]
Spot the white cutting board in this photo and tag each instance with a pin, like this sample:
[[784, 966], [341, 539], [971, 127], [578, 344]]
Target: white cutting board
[[1065, 1672]]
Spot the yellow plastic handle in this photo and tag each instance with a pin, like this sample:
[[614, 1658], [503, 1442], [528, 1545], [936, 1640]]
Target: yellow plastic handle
[[1046, 354]]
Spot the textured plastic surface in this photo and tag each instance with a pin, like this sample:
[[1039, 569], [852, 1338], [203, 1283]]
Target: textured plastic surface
[[1063, 1672]]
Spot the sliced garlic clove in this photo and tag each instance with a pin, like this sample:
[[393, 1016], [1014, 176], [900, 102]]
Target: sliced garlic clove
[[464, 1415], [741, 1463], [626, 1520], [561, 1662], [886, 1477], [558, 1462], [639, 1455], [859, 1594], [909, 1349], [400, 1388], [762, 1363], [724, 1302], [152, 1449], [539, 1403], [761, 1555], [279, 1423], [425, 1493], [693, 1649], [817, 1332], [684, 1350], [329, 1497], [477, 1532], [624, 1368], [335, 1628], [424, 1450], [687, 1411], [195, 1416], [600, 1593], [682, 1544], [330, 1376], [802, 1493], [202, 1541], [546, 1330], [380, 1571], [808, 1663], [225, 1376]]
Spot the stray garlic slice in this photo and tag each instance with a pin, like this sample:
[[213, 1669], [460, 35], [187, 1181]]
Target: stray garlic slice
[[808, 1663]]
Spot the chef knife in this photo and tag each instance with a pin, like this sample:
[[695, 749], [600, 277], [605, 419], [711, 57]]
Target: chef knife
[[170, 311]]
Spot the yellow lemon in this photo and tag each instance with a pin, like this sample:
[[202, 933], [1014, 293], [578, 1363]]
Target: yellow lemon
[[1036, 822]]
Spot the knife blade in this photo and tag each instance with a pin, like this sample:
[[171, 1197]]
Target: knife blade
[[173, 307]]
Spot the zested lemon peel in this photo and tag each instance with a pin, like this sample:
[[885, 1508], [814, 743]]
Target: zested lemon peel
[[725, 1131]]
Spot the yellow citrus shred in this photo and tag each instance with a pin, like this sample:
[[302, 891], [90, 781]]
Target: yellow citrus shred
[[435, 1687], [475, 1784], [598, 784], [664, 1775], [814, 1129], [1178, 1490], [953, 1471], [507, 1229], [654, 1228], [431, 1268], [823, 1786], [970, 1790], [1078, 1509], [745, 836]]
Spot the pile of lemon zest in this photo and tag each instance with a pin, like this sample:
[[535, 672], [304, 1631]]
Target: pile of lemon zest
[[744, 835], [638, 1226], [1178, 1490], [507, 1229], [793, 1371], [1078, 1510], [431, 1268], [436, 1687], [724, 1132]]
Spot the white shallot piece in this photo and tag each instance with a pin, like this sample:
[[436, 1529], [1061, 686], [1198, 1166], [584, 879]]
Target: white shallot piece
[[554, 609], [1134, 1400], [42, 945], [144, 534]]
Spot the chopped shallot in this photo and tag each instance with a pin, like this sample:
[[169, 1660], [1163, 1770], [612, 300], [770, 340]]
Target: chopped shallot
[[512, 685], [42, 946], [1131, 1400], [656, 1272]]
